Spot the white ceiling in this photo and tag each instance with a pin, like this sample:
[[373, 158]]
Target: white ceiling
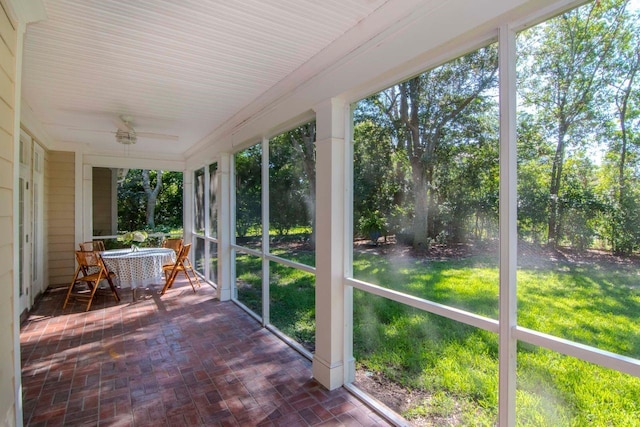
[[180, 69]]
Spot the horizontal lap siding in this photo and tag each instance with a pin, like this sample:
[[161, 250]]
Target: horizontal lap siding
[[7, 120], [60, 216]]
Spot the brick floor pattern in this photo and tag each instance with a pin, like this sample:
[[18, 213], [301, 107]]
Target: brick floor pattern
[[182, 359]]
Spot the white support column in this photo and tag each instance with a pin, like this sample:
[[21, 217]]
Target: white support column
[[114, 201], [87, 203], [207, 220], [349, 360], [328, 360], [265, 232], [224, 228], [508, 228], [187, 205]]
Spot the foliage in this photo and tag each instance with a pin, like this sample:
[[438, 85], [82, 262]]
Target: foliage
[[424, 351], [372, 225], [425, 151], [198, 201], [248, 166], [457, 364], [430, 115], [132, 202], [292, 303], [133, 237], [567, 66], [381, 182], [249, 281], [291, 197]]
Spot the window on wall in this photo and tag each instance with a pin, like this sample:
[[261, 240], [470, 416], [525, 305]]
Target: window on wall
[[292, 184], [425, 222], [248, 228], [292, 177], [578, 198], [199, 225], [213, 200], [212, 259], [274, 264], [213, 262], [427, 267], [198, 201], [126, 200], [205, 211], [426, 262], [248, 214]]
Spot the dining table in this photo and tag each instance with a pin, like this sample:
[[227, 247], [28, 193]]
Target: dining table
[[138, 267]]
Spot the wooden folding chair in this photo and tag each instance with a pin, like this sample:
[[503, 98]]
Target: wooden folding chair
[[173, 243], [182, 264], [84, 286], [94, 245]]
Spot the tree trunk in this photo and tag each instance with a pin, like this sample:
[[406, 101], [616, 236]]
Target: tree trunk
[[306, 146], [421, 214], [622, 115], [554, 189], [152, 195], [623, 105]]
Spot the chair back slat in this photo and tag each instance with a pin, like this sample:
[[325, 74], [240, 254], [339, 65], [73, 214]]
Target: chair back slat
[[95, 245], [173, 243], [89, 259], [185, 252]]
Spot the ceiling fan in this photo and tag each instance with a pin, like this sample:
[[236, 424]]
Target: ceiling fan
[[127, 135]]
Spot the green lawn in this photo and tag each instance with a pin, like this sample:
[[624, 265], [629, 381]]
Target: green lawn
[[453, 367]]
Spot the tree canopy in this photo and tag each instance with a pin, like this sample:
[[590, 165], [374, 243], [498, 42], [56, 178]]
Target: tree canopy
[[426, 150], [150, 200]]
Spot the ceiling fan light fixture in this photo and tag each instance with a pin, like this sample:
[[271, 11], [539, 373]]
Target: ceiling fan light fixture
[[126, 137]]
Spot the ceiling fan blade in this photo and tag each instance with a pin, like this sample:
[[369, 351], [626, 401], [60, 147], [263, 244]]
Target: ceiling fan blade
[[150, 135], [79, 129], [157, 136]]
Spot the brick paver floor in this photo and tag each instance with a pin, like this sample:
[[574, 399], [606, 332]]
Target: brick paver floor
[[182, 359]]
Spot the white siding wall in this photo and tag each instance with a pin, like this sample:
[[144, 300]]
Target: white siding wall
[[60, 208], [8, 37]]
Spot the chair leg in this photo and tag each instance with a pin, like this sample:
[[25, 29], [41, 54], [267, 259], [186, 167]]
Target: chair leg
[[70, 290], [186, 273], [189, 266], [94, 289], [169, 281], [114, 290]]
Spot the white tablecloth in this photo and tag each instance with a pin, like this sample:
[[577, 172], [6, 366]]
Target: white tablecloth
[[138, 268]]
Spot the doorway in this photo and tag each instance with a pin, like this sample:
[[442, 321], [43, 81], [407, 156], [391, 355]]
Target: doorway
[[30, 221]]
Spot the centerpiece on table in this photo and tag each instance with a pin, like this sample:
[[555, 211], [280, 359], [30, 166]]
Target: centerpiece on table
[[133, 238]]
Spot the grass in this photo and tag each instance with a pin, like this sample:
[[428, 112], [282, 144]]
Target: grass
[[455, 366]]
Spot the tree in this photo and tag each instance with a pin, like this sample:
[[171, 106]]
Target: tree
[[168, 212], [248, 165], [535, 155], [423, 112], [198, 201], [133, 201], [288, 185], [626, 93], [379, 179], [152, 195], [564, 69], [304, 139]]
